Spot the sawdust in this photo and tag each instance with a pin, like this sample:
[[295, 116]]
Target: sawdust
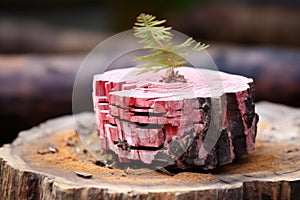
[[266, 157], [70, 159]]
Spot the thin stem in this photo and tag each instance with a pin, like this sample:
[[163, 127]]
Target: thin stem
[[159, 43]]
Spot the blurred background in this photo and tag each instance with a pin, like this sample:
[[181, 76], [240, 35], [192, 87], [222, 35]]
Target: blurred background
[[42, 44]]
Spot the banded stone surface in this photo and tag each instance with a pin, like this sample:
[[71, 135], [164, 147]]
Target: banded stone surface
[[203, 123]]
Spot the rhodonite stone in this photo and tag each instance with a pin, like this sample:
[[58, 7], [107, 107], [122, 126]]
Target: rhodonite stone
[[204, 123]]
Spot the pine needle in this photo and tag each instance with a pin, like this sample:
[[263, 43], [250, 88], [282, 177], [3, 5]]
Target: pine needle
[[157, 38]]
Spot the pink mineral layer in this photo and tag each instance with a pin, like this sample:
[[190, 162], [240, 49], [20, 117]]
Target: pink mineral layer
[[140, 118]]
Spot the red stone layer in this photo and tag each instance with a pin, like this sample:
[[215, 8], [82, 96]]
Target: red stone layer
[[139, 118]]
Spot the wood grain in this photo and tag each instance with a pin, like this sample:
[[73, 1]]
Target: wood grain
[[270, 172]]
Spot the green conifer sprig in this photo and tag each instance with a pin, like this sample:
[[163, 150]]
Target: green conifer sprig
[[158, 39]]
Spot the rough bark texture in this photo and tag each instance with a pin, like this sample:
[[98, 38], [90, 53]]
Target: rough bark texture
[[22, 177], [203, 123]]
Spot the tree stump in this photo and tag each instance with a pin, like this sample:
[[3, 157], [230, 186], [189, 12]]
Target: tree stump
[[29, 169]]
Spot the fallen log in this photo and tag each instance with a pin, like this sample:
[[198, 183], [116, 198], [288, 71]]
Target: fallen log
[[246, 26], [271, 171], [204, 123]]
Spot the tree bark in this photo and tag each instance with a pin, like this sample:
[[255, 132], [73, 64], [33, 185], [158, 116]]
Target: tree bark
[[270, 172]]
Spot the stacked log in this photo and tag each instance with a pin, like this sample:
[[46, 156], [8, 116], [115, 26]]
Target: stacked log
[[203, 123]]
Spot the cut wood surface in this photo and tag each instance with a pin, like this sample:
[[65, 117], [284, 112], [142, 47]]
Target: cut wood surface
[[29, 169]]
